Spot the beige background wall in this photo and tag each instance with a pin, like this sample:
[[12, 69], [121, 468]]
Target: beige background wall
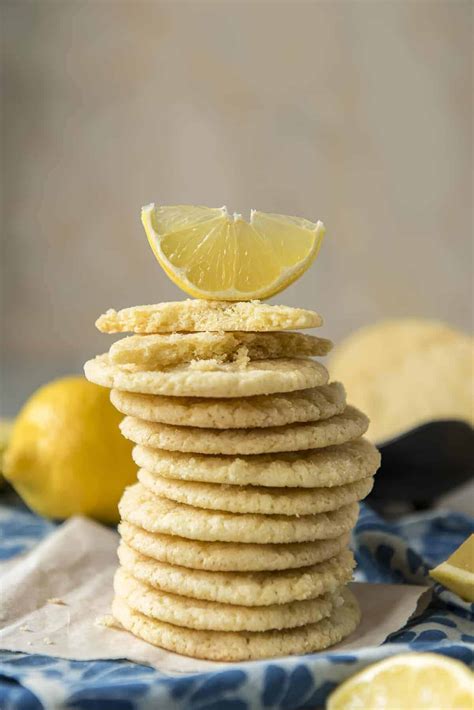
[[354, 112]]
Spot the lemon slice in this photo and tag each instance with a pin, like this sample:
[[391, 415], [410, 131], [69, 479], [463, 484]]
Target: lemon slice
[[457, 573], [406, 682], [211, 254]]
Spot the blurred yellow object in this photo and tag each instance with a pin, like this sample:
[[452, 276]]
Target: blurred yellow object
[[405, 372], [211, 254], [5, 432], [407, 682], [457, 573], [66, 455]]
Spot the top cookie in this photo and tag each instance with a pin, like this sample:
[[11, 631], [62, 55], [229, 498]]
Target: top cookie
[[197, 316]]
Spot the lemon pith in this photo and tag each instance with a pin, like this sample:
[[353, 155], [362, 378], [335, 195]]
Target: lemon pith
[[407, 681], [211, 254]]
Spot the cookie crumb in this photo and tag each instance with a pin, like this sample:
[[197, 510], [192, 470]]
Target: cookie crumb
[[206, 365], [56, 600], [108, 622], [25, 628], [47, 641], [242, 358]]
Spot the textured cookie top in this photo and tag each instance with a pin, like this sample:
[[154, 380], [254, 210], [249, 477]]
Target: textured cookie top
[[145, 510], [229, 556], [339, 429], [407, 371], [330, 466], [255, 499], [237, 413], [155, 352], [201, 614], [211, 379], [244, 588], [194, 315], [241, 645]]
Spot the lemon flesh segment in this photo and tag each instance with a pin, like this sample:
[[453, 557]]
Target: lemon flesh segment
[[211, 254], [457, 573], [405, 682]]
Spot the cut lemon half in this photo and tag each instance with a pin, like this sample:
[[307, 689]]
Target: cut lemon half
[[457, 573], [406, 682], [211, 254]]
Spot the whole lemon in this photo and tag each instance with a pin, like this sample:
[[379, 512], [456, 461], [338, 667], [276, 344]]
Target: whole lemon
[[5, 431], [66, 455]]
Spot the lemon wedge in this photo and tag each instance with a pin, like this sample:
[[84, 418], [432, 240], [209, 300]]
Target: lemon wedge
[[211, 254], [406, 682], [457, 573]]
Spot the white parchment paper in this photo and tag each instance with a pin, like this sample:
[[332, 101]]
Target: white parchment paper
[[52, 597]]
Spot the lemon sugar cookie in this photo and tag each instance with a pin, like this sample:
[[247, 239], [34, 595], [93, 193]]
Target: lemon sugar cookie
[[200, 614], [329, 466], [235, 413], [241, 646], [254, 499], [211, 379], [243, 588], [148, 352], [144, 509], [196, 315], [349, 425], [229, 556], [406, 372]]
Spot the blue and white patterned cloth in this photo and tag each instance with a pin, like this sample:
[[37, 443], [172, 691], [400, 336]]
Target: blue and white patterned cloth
[[400, 552]]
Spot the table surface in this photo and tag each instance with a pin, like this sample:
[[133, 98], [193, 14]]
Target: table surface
[[398, 552]]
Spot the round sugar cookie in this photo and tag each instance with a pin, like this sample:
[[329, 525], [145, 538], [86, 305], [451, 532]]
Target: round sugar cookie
[[199, 614], [209, 379], [255, 499], [407, 371], [331, 466], [243, 412], [351, 424], [240, 645], [196, 315], [145, 510], [243, 588], [155, 352], [229, 556]]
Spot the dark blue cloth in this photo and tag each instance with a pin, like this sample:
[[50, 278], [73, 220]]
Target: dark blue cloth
[[400, 552]]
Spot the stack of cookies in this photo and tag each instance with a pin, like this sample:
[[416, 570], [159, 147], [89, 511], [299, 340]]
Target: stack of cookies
[[235, 538]]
